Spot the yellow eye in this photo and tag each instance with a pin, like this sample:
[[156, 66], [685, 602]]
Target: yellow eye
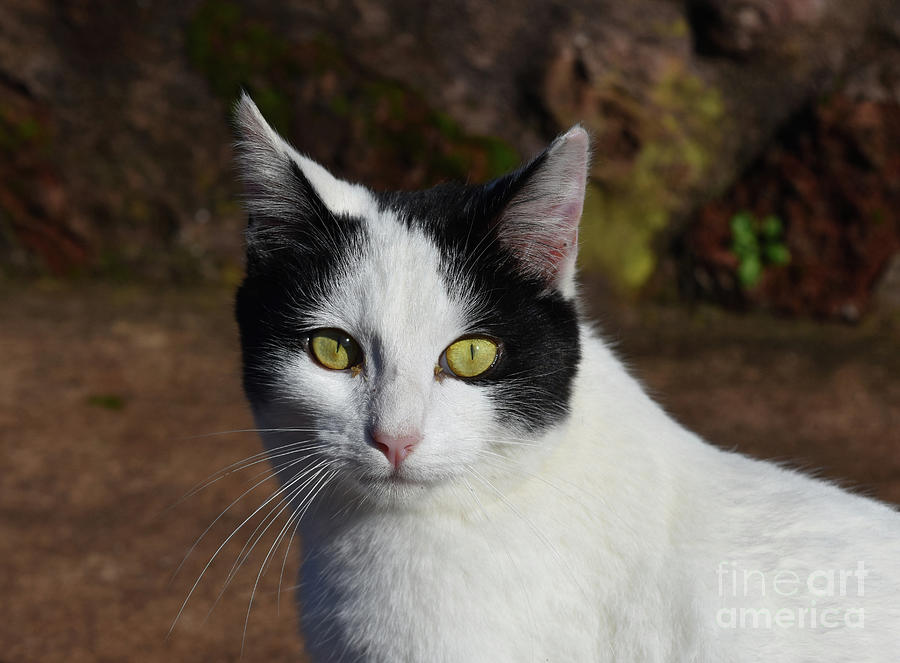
[[334, 349], [472, 356]]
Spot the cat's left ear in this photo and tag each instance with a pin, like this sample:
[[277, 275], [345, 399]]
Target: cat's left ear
[[539, 223]]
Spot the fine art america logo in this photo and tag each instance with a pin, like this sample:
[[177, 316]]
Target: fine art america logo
[[795, 596]]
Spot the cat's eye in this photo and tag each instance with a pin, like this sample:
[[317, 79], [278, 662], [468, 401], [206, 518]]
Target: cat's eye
[[470, 356], [335, 349]]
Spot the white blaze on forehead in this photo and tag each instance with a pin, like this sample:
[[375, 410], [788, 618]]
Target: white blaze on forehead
[[402, 291], [394, 298]]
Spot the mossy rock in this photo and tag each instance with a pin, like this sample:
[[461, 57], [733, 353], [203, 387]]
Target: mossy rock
[[628, 206]]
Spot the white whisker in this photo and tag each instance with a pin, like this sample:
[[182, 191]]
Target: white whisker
[[225, 542], [284, 503], [241, 465], [248, 430], [315, 491]]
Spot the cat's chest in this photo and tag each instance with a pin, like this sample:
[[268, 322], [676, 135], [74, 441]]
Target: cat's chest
[[403, 588]]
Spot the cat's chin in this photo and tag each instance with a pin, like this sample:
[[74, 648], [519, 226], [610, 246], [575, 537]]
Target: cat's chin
[[393, 480], [394, 488]]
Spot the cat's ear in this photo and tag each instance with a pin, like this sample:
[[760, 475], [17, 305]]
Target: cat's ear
[[277, 189], [545, 198], [282, 188]]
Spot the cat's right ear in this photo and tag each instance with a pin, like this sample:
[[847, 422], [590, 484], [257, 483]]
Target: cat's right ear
[[281, 186]]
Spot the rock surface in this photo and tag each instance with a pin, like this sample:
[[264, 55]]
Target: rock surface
[[116, 149]]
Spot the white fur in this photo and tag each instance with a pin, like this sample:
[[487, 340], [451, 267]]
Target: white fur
[[602, 539], [607, 548]]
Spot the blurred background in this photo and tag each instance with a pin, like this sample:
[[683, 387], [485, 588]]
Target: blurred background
[[740, 245]]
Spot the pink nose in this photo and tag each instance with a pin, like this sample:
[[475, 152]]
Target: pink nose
[[395, 447]]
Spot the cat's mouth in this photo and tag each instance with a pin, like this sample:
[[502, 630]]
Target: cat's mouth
[[392, 479], [395, 483]]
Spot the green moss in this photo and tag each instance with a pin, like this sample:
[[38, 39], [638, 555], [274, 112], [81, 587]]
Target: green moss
[[339, 105], [692, 113], [400, 123], [677, 29], [21, 133], [501, 156], [625, 212], [446, 125], [617, 235], [113, 266], [236, 51], [274, 105]]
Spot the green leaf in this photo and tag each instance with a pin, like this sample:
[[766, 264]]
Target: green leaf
[[744, 243], [778, 254], [745, 246], [749, 271], [772, 228], [742, 224]]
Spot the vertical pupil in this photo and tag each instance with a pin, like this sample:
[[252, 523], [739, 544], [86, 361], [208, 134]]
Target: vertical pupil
[[337, 346], [472, 351]]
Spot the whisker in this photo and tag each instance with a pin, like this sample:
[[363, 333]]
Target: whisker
[[515, 443], [266, 474], [236, 466], [297, 520], [269, 474], [247, 549], [285, 500], [316, 491], [223, 544], [249, 430]]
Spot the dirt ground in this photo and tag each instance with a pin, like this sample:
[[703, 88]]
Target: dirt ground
[[105, 392]]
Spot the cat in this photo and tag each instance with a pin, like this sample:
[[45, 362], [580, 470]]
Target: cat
[[476, 477]]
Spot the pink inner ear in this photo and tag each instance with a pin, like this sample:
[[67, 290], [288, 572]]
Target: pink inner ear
[[540, 224], [559, 251], [554, 242], [569, 212]]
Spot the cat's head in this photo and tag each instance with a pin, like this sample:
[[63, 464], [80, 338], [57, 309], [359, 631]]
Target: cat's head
[[407, 338]]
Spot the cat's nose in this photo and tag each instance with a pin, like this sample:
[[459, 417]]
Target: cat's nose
[[395, 447]]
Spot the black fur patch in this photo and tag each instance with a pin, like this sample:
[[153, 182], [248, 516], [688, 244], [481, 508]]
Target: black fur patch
[[284, 258], [532, 382]]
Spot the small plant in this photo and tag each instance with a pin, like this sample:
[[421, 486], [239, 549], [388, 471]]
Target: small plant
[[107, 401], [757, 243]]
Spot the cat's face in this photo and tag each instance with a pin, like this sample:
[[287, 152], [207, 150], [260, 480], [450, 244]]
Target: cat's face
[[406, 338]]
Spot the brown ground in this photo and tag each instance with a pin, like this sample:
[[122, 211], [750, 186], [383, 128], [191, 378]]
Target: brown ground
[[102, 390]]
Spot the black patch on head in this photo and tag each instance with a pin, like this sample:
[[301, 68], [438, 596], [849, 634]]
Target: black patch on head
[[286, 258], [532, 382]]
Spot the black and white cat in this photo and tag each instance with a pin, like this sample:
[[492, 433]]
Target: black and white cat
[[479, 479]]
